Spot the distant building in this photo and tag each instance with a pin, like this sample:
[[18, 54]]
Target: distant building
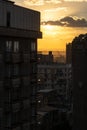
[[79, 71], [54, 97], [68, 53], [51, 56], [56, 76], [19, 30], [45, 58], [47, 115]]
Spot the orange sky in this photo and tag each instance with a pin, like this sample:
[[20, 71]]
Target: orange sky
[[56, 37], [68, 19]]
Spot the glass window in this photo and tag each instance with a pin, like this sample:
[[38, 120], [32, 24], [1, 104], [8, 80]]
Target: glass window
[[8, 19], [16, 46], [33, 46], [9, 46]]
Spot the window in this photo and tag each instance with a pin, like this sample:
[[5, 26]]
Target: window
[[8, 19], [8, 46], [33, 46], [16, 46]]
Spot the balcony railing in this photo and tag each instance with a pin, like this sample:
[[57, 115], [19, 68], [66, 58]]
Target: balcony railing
[[12, 57]]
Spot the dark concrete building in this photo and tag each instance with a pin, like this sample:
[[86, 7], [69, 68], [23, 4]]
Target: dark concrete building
[[79, 71], [19, 30]]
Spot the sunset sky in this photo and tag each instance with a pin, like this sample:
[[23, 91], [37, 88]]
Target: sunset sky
[[61, 21]]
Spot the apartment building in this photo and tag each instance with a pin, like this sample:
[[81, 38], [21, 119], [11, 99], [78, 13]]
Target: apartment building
[[19, 31], [79, 69], [56, 76]]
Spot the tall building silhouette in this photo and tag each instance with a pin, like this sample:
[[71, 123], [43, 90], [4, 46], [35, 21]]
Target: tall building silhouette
[[19, 30], [79, 71]]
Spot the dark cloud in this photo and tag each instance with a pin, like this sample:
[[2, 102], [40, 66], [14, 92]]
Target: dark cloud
[[58, 23], [68, 22]]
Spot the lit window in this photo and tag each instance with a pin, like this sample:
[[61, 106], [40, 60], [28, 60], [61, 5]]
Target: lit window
[[39, 80], [9, 46], [33, 46], [16, 46]]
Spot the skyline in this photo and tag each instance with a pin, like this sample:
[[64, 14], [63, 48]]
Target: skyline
[[61, 21]]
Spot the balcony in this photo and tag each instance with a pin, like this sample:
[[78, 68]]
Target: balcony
[[12, 57]]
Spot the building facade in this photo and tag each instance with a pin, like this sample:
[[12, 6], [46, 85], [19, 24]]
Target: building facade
[[56, 76], [69, 53], [79, 71], [45, 58], [55, 90], [19, 30]]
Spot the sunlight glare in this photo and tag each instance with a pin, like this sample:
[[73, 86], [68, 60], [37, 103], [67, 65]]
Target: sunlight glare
[[49, 27]]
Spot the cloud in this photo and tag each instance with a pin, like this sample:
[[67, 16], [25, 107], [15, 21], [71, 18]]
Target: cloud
[[52, 1], [56, 9], [40, 2], [33, 2], [72, 22], [68, 22], [75, 0]]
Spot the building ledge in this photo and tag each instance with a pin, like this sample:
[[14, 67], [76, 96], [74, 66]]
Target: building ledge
[[13, 32]]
